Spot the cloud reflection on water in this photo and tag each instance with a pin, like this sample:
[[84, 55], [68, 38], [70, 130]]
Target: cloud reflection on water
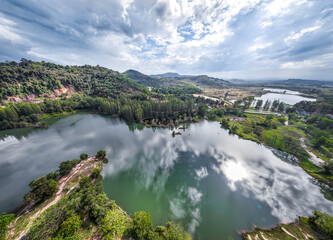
[[248, 167]]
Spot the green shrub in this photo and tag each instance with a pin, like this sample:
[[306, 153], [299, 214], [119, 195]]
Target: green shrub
[[85, 182], [5, 220], [142, 225], [52, 175], [41, 189], [114, 223], [95, 173], [83, 156], [282, 120], [70, 226], [48, 223], [101, 154], [176, 232], [323, 223], [67, 166]]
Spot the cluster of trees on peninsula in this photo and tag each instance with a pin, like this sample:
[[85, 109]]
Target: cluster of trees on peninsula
[[274, 106], [86, 209], [324, 106]]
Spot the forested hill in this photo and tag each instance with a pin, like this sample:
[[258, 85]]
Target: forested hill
[[38, 78], [153, 82], [143, 79]]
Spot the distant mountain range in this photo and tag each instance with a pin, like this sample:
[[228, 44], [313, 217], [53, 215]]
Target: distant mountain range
[[281, 83], [174, 79], [304, 82], [169, 75]]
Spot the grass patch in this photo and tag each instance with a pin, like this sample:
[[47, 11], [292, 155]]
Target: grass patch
[[50, 119]]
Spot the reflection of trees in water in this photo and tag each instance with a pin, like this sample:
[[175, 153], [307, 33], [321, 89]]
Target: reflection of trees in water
[[18, 133]]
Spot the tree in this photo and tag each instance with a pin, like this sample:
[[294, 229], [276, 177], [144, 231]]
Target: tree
[[67, 166], [238, 112], [101, 154], [292, 116], [95, 173], [85, 182], [70, 226], [176, 232], [33, 118], [126, 113], [323, 223], [268, 120], [267, 105], [248, 101], [5, 220], [282, 120], [52, 175], [41, 189], [269, 117], [142, 225], [211, 114], [138, 113], [281, 107], [114, 223], [259, 104], [202, 110], [225, 122], [83, 156], [275, 104], [321, 141]]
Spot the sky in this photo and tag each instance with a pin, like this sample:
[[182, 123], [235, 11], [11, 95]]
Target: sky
[[246, 39]]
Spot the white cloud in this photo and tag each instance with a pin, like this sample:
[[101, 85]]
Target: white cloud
[[296, 36], [278, 8], [255, 47], [266, 24], [7, 30], [305, 64], [193, 37]]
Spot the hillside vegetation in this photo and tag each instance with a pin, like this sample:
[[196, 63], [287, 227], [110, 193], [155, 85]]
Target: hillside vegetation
[[29, 77]]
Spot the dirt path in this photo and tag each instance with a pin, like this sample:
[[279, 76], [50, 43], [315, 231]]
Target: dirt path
[[316, 160], [62, 182], [288, 233]]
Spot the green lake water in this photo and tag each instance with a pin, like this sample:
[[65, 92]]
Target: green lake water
[[212, 183]]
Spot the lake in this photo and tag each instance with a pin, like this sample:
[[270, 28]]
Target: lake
[[212, 183], [283, 95]]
